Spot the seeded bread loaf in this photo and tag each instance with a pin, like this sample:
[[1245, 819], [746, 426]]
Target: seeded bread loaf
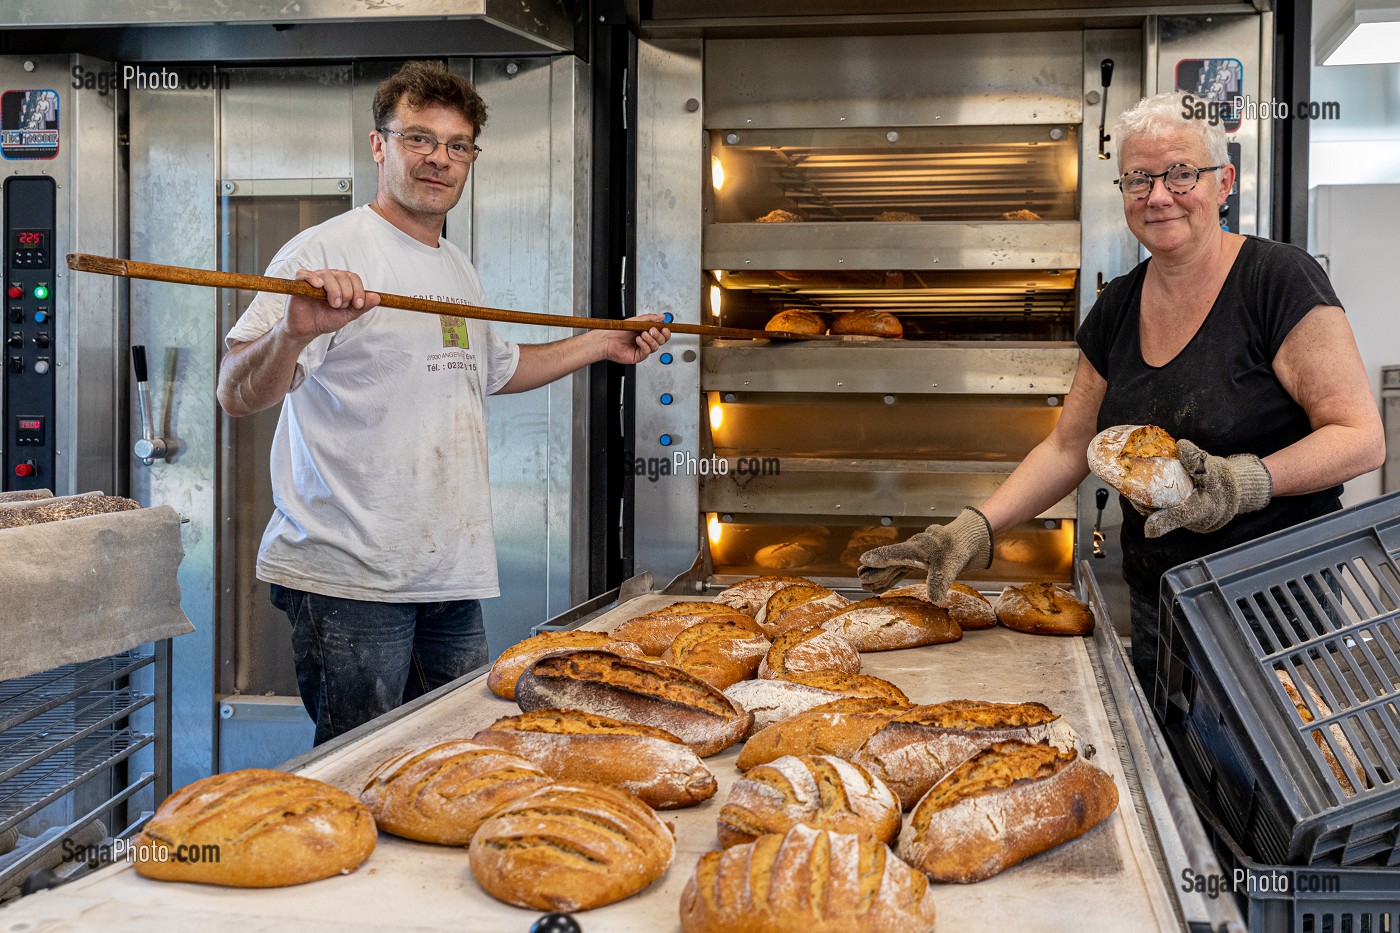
[[654, 631], [819, 791], [720, 652], [571, 745], [966, 606], [837, 728], [918, 747], [1140, 462], [749, 596], [443, 793], [1043, 609], [571, 846], [809, 649], [267, 829], [806, 881], [887, 623], [646, 692], [1001, 807], [798, 607], [521, 656]]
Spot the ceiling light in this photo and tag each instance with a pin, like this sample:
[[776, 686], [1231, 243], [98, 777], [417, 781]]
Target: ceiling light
[[1366, 32]]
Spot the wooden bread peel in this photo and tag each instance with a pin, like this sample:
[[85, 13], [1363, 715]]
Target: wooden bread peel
[[181, 275]]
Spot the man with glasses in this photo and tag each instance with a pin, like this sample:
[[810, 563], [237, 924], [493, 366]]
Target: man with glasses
[[1235, 345], [381, 544]]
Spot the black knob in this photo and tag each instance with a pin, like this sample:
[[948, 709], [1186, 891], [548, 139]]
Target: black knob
[[41, 339], [1100, 498], [16, 364], [1106, 72], [16, 339], [556, 923], [16, 315], [138, 360]]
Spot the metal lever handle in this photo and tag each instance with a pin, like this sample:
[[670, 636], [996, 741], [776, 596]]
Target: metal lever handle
[[149, 448], [1105, 79], [1100, 502]]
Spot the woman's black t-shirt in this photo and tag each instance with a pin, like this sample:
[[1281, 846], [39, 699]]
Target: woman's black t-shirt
[[1219, 392]]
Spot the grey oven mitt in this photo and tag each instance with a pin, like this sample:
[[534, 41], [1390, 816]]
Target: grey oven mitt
[[944, 551], [1225, 487]]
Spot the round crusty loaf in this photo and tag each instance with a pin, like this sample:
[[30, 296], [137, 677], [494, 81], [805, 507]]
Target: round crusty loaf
[[795, 321], [966, 606], [837, 728], [806, 881], [1140, 462], [1043, 609], [571, 847], [786, 555], [571, 745], [867, 324], [1004, 805], [522, 655], [654, 631], [918, 747], [819, 791], [268, 829], [646, 692], [749, 596], [441, 794], [809, 649], [719, 652], [887, 623], [798, 607]]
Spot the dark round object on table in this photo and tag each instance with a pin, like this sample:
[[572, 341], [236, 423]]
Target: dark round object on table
[[556, 923]]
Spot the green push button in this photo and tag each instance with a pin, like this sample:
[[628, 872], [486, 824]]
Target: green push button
[[41, 292]]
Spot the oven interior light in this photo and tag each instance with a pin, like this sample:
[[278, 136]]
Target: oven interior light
[[716, 174], [715, 292], [715, 528], [716, 416]]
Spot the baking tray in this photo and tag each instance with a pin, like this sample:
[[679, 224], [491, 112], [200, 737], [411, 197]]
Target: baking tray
[[1108, 879]]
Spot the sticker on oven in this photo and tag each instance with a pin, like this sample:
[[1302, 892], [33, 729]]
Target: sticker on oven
[[29, 124]]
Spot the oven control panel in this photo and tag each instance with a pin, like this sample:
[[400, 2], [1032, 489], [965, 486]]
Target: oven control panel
[[29, 334]]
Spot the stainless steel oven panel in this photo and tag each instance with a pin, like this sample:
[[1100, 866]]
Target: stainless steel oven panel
[[668, 276], [289, 122], [929, 80], [945, 245], [174, 157]]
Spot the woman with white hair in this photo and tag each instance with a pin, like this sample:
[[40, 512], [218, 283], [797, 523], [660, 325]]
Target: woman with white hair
[[1236, 345]]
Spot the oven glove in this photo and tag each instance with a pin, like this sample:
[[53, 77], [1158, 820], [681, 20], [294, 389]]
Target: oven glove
[[1225, 487], [944, 551]]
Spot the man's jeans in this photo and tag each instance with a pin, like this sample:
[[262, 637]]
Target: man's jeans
[[356, 660]]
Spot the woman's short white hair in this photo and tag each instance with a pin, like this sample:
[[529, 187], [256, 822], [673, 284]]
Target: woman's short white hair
[[1170, 112]]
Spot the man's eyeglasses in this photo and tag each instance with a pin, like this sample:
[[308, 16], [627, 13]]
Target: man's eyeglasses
[[1178, 179], [423, 144]]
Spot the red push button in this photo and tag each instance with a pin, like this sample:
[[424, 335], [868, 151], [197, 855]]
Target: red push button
[[24, 469], [16, 291]]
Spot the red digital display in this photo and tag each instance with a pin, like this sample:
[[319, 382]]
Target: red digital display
[[33, 239], [25, 425]]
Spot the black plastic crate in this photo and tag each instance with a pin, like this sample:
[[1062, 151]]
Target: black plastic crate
[[1319, 602], [1290, 899]]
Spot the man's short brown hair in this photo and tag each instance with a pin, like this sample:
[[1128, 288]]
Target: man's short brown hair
[[428, 84]]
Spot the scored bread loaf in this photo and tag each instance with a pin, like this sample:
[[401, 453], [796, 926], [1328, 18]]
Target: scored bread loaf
[[867, 324], [521, 656], [798, 607], [1043, 609], [654, 631], [837, 728], [719, 652], [571, 846], [1002, 806], [809, 649], [967, 607], [646, 692], [266, 828], [786, 555], [918, 747], [887, 623], [441, 794], [571, 745], [21, 514], [1139, 460], [1348, 752], [806, 881], [795, 321], [817, 790], [749, 596], [770, 701]]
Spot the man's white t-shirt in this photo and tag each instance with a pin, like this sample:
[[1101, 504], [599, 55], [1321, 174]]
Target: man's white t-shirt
[[379, 472]]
